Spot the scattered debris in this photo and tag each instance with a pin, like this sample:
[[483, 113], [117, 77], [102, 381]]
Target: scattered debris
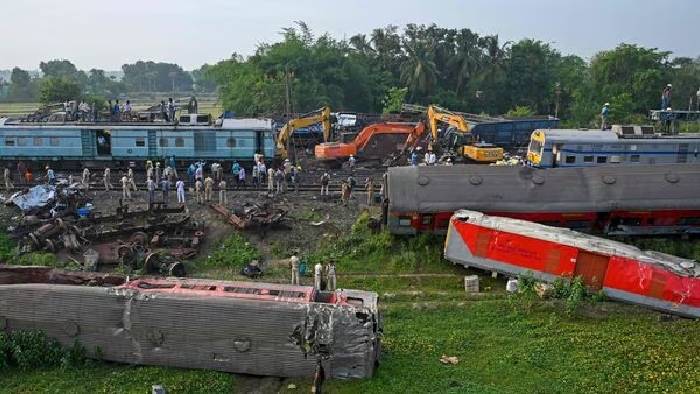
[[452, 360], [252, 215]]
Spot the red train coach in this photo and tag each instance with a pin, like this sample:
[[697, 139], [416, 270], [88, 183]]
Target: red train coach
[[623, 272], [616, 200]]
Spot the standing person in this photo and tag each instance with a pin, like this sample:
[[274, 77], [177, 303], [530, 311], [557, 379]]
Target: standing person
[[106, 179], [345, 192], [220, 171], [325, 181], [262, 170], [8, 179], [171, 109], [279, 179], [666, 97], [173, 166], [50, 175], [414, 158], [29, 176], [430, 158], [235, 170], [126, 191], [295, 270], [165, 189], [170, 171], [86, 178], [199, 173], [330, 276], [604, 116], [180, 189], [215, 171], [164, 111], [149, 171], [198, 186], [190, 174], [270, 180], [318, 271], [127, 110], [351, 162], [369, 187], [116, 112], [21, 170], [295, 179], [241, 177], [151, 189], [157, 173], [256, 176], [222, 193], [208, 186], [132, 182]]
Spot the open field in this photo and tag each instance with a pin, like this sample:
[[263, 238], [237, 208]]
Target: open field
[[502, 343]]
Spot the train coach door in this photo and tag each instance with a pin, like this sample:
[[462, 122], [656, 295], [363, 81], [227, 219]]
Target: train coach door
[[103, 141], [591, 268]]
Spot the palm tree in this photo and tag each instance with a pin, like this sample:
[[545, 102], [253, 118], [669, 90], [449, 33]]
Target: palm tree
[[467, 60], [418, 72], [360, 43]]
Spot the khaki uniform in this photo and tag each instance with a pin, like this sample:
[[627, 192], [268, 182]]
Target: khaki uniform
[[86, 178], [345, 193], [295, 270], [131, 180], [208, 186], [198, 192], [222, 193], [126, 190], [106, 178], [330, 278]]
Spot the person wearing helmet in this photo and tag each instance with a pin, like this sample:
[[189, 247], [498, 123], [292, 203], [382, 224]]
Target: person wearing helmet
[[604, 116], [351, 162]]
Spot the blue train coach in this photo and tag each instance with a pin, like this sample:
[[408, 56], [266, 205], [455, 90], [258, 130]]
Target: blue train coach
[[79, 143]]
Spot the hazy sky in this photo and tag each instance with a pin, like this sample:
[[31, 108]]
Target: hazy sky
[[108, 33]]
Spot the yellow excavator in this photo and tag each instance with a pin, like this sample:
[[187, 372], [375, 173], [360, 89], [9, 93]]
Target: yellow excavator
[[465, 145], [321, 115]]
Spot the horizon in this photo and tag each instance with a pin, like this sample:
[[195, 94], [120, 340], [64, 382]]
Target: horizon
[[211, 37]]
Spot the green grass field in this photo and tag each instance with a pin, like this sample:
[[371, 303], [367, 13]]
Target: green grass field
[[503, 346]]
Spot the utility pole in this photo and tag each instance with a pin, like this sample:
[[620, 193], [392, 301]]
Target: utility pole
[[287, 108], [557, 92]]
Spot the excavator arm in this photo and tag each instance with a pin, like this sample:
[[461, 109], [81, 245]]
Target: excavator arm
[[322, 116]]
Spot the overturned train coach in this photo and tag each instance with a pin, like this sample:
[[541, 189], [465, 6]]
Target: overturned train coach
[[622, 272], [239, 327], [626, 200]]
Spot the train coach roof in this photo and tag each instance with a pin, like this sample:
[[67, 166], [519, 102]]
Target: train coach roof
[[579, 240], [597, 136], [525, 189]]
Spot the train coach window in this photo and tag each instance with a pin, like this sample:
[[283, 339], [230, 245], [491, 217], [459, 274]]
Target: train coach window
[[634, 158], [179, 142], [54, 141], [570, 159], [601, 159], [231, 142], [9, 142], [38, 141], [21, 141], [163, 142], [140, 141], [689, 221], [588, 159], [404, 221]]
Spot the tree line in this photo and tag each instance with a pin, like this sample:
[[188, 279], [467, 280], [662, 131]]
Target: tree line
[[455, 68], [60, 80]]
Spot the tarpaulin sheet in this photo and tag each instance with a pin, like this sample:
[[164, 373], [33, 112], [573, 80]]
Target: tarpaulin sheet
[[37, 197]]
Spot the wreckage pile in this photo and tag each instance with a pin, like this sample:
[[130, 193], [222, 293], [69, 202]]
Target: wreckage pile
[[61, 218], [241, 327], [252, 216]]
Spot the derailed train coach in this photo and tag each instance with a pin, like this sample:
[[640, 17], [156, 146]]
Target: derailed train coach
[[622, 272], [239, 327], [625, 200], [93, 144]]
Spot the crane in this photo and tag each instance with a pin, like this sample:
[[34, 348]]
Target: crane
[[436, 115], [321, 115]]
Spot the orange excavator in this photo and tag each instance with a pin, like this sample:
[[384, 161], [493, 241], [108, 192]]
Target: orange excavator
[[375, 142]]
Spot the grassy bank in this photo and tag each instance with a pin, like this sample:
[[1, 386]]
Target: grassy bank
[[502, 344]]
